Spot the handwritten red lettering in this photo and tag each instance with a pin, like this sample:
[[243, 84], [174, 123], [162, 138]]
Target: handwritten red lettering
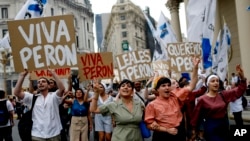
[[92, 59], [98, 71]]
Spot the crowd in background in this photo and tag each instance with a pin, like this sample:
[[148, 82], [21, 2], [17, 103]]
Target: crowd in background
[[172, 109]]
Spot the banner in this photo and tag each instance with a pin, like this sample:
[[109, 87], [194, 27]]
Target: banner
[[61, 73], [95, 65], [43, 42], [135, 65], [223, 53], [181, 54], [31, 9]]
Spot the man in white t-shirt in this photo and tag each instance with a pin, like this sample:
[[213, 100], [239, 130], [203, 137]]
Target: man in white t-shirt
[[45, 115], [6, 118]]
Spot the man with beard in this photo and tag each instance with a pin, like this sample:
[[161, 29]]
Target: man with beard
[[45, 115]]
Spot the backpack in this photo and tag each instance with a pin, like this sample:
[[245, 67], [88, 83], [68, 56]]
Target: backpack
[[244, 102], [25, 124], [4, 113]]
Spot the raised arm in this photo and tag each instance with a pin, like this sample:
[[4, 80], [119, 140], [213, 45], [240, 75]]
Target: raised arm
[[18, 88], [93, 105], [233, 94], [59, 83], [70, 82], [194, 78]]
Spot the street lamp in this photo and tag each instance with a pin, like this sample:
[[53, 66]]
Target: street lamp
[[5, 58]]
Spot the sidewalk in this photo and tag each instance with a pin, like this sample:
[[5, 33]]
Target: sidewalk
[[245, 115]]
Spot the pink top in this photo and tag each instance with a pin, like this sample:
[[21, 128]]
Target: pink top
[[166, 111], [215, 107]]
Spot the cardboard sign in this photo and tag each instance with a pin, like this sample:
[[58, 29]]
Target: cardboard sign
[[61, 73], [161, 67], [135, 65], [181, 54], [41, 42], [95, 65]]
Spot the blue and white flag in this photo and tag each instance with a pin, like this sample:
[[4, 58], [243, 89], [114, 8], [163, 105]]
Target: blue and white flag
[[201, 19], [223, 53], [165, 31], [31, 9], [159, 52], [216, 53], [195, 19], [208, 32]]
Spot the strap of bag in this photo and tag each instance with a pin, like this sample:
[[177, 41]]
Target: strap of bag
[[33, 102], [140, 97]]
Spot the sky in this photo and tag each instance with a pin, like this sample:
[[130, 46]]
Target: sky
[[104, 6]]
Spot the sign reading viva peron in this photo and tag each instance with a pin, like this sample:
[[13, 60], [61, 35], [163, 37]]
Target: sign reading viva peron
[[45, 42]]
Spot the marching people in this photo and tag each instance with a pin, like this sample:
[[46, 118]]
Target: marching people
[[81, 121], [126, 111], [236, 108], [103, 123], [6, 118], [211, 108], [164, 114], [45, 115]]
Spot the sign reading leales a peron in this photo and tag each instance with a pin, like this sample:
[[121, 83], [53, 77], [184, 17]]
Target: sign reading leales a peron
[[45, 42], [134, 65]]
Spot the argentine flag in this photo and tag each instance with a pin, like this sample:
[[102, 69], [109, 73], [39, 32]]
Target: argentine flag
[[31, 9]]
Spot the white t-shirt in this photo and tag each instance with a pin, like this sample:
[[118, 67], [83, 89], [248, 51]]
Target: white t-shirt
[[45, 115], [10, 108], [236, 106]]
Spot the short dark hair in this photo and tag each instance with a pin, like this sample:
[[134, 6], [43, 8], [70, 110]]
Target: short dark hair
[[2, 93], [161, 81], [81, 91], [45, 79], [183, 81], [126, 81]]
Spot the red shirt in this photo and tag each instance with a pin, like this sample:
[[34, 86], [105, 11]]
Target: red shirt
[[166, 111], [215, 107]]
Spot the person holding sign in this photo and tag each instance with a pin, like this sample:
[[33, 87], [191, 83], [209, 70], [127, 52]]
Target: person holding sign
[[45, 115], [212, 107], [164, 114], [126, 111]]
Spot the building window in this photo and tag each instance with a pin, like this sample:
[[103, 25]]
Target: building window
[[124, 34], [136, 34], [88, 27], [62, 10], [123, 17], [4, 31], [121, 1], [89, 44], [122, 8], [4, 13], [52, 11], [77, 42], [123, 26], [137, 43]]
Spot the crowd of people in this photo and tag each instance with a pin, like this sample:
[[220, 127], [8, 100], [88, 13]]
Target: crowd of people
[[176, 110]]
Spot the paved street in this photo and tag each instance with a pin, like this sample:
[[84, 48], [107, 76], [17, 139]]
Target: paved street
[[16, 137]]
